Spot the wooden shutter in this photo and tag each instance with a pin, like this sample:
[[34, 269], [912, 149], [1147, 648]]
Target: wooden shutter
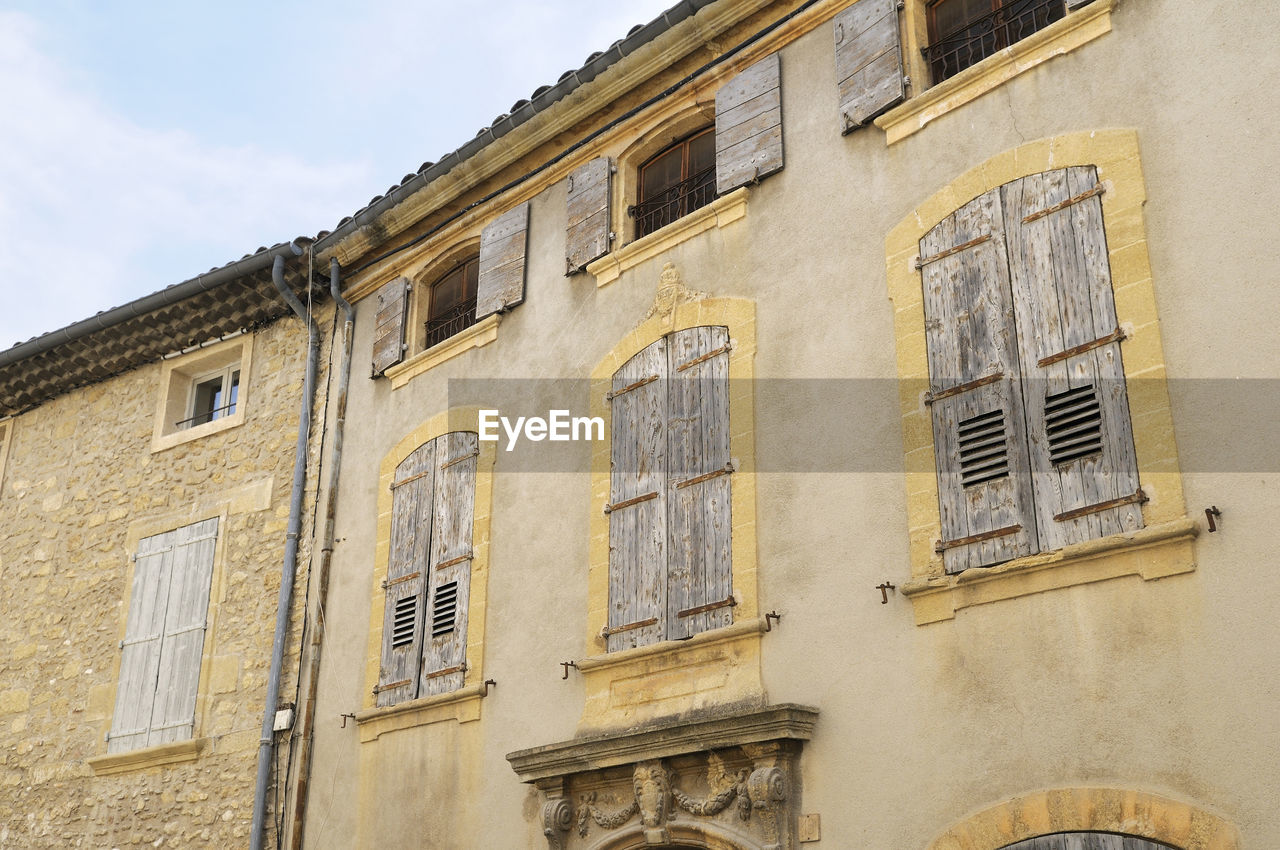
[[1082, 456], [699, 572], [140, 656], [868, 61], [749, 125], [638, 501], [186, 615], [389, 325], [502, 256], [402, 622], [984, 487], [444, 644], [588, 233]]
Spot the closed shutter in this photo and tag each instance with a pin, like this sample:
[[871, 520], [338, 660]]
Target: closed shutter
[[389, 325], [1087, 841], [444, 644], [502, 257], [699, 573], [868, 61], [1081, 442], [638, 501], [190, 575], [749, 125], [587, 237], [984, 487], [402, 624], [140, 657]]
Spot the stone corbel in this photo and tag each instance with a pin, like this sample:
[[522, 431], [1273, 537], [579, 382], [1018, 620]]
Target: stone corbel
[[557, 813], [768, 788]]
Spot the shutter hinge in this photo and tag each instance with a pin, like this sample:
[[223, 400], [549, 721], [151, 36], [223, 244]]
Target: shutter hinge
[[612, 236], [133, 559], [120, 645]]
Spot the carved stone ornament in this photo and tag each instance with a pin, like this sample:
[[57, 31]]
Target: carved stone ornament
[[653, 794], [557, 818], [671, 293]]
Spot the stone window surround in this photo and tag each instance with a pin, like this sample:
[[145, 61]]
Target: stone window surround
[[937, 596], [462, 705], [721, 665], [245, 499], [1079, 27], [177, 380]]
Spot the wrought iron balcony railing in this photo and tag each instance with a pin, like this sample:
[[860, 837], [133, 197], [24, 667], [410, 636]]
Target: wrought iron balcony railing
[[676, 202], [450, 322], [981, 37]]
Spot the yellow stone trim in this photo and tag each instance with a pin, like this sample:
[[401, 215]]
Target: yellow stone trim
[[461, 706], [188, 367], [1076, 29], [1138, 813], [454, 419], [666, 663], [1115, 154], [719, 213], [6, 439], [478, 335], [939, 598], [173, 753]]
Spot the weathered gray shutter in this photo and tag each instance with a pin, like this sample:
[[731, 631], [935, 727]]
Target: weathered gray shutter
[[402, 622], [749, 125], [502, 254], [638, 501], [868, 61], [699, 567], [1082, 456], [389, 325], [588, 233], [140, 657], [186, 615], [444, 645], [984, 487]]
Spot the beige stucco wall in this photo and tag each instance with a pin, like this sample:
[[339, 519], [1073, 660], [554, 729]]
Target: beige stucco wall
[[1144, 687], [81, 487]]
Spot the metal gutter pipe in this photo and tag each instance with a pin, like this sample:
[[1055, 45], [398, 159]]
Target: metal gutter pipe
[[308, 707], [266, 744]]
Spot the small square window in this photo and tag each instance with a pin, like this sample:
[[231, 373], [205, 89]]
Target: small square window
[[202, 392]]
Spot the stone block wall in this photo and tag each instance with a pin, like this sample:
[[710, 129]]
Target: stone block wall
[[81, 486]]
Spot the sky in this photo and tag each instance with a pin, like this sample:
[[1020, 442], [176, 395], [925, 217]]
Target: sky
[[143, 143]]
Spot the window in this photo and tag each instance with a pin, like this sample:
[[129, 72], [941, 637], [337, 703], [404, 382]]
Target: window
[[964, 32], [670, 566], [676, 181], [1030, 414], [451, 302], [424, 632], [202, 392], [213, 397], [164, 638]]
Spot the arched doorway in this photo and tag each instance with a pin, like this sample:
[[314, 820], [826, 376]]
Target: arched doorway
[[1088, 841]]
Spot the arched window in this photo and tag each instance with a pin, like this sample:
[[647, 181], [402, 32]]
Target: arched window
[[424, 630], [451, 301], [677, 181], [1087, 841], [670, 565], [1031, 422]]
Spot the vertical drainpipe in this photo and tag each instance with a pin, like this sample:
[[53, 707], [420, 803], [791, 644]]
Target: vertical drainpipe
[[308, 708], [266, 744]]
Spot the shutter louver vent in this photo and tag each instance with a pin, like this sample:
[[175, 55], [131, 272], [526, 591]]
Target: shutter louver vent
[[984, 452], [445, 610], [402, 626], [1073, 420]]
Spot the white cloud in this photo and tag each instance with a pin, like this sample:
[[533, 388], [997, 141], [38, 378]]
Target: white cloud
[[96, 210]]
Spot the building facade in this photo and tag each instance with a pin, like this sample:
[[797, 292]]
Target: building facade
[[809, 423]]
